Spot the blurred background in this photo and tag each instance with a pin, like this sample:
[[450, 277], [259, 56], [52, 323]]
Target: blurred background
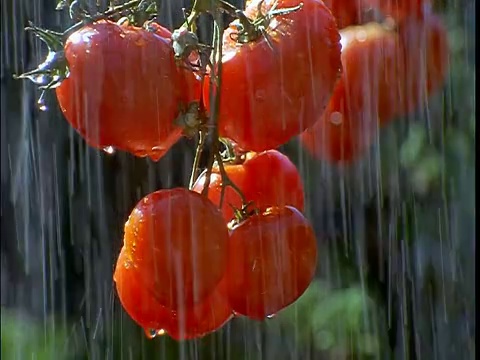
[[396, 230]]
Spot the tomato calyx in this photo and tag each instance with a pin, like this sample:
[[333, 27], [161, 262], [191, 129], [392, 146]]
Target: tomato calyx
[[240, 215], [191, 118], [251, 30]]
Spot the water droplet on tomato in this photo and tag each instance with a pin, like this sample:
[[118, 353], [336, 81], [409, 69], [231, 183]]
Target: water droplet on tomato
[[270, 316], [152, 333], [336, 118], [109, 150], [156, 153], [41, 104], [361, 35]]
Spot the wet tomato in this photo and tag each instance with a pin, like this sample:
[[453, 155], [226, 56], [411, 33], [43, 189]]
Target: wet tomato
[[367, 91], [178, 240], [136, 299], [186, 323], [268, 179], [425, 53], [346, 12], [206, 317], [124, 88], [401, 9], [274, 87], [272, 261]]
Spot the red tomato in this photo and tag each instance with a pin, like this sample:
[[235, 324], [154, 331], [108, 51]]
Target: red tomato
[[367, 91], [268, 179], [269, 96], [179, 241], [188, 323], [206, 317], [272, 261], [124, 88], [401, 9], [137, 300], [425, 52], [346, 12]]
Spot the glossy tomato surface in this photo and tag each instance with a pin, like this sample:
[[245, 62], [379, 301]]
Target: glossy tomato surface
[[204, 318], [267, 178], [124, 88], [272, 261], [186, 323], [270, 95], [366, 94], [136, 299], [179, 241]]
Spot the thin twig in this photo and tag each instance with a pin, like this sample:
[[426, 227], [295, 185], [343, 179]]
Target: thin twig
[[196, 160]]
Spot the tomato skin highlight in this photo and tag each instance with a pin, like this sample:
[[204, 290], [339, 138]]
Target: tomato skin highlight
[[269, 96], [124, 88], [272, 261], [179, 241], [268, 179]]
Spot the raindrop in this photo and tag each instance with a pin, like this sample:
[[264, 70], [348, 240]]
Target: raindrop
[[271, 316], [156, 153], [152, 333], [336, 118], [41, 103], [109, 150]]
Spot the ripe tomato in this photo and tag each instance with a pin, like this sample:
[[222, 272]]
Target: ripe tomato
[[346, 12], [272, 261], [206, 317], [425, 52], [368, 90], [188, 323], [137, 300], [401, 9], [179, 242], [124, 88], [268, 179], [270, 95]]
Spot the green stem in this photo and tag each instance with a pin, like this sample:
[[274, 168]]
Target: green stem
[[196, 160], [226, 181], [214, 93], [113, 11]]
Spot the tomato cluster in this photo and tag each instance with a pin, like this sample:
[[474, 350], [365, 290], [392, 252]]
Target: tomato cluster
[[236, 243], [387, 72]]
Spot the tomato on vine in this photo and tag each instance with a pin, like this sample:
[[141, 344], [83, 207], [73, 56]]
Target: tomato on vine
[[274, 86], [136, 299], [124, 88], [267, 179], [365, 94], [179, 242], [186, 323], [272, 261]]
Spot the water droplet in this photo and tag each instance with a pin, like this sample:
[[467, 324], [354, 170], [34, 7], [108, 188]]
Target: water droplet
[[361, 35], [336, 118], [41, 103], [109, 150], [156, 153], [260, 95], [152, 333], [270, 316]]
